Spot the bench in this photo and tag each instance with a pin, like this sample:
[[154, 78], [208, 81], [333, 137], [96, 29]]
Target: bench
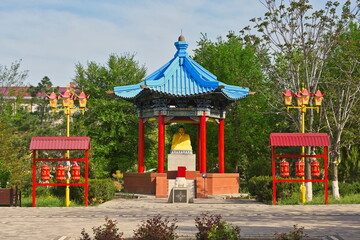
[[10, 197]]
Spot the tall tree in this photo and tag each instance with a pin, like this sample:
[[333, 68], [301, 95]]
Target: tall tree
[[109, 121], [39, 99], [10, 77], [13, 76], [235, 63], [14, 156], [342, 79], [299, 41]]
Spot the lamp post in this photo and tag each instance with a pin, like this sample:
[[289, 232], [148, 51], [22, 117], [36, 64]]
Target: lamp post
[[303, 99], [68, 99]]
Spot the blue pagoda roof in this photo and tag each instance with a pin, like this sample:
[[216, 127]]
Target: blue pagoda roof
[[181, 77]]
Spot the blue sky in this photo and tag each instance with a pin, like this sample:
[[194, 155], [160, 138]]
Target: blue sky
[[51, 36]]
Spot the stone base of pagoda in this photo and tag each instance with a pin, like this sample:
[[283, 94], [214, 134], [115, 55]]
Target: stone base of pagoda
[[176, 160], [206, 185]]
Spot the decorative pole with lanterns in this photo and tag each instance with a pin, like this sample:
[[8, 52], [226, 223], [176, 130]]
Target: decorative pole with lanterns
[[303, 99], [68, 99]]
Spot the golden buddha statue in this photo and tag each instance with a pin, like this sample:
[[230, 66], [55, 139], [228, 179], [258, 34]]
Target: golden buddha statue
[[181, 141]]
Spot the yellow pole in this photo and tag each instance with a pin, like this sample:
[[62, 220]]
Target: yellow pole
[[302, 187], [67, 189]]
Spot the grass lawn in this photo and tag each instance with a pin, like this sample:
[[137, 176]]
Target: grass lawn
[[319, 198], [47, 201]]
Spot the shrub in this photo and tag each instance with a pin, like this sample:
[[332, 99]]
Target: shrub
[[205, 223], [109, 231], [261, 188], [296, 234], [286, 190], [224, 231], [156, 228], [349, 188], [100, 190]]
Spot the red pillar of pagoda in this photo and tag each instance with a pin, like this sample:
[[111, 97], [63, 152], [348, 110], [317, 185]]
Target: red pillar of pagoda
[[221, 144], [199, 149], [141, 146], [161, 143], [203, 143]]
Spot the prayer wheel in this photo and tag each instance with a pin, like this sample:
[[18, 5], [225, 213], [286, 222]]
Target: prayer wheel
[[45, 173], [60, 173], [75, 172], [315, 168], [300, 168], [284, 168]]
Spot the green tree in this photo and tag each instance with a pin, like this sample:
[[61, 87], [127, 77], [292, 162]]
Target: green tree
[[234, 62], [10, 77], [109, 121], [299, 41], [39, 99], [14, 156], [341, 79]]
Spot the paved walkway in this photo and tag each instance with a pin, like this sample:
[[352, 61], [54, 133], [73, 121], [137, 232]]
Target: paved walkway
[[255, 219]]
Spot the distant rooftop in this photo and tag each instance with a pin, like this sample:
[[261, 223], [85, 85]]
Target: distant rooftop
[[13, 92]]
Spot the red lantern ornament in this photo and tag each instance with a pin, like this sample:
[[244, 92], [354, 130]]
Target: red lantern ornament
[[60, 173], [66, 98], [45, 173], [315, 168], [284, 168], [318, 97], [287, 97], [82, 99], [75, 172], [53, 99], [299, 168]]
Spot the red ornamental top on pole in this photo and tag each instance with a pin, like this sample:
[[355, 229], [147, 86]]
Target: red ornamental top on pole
[[318, 97], [53, 98], [82, 99], [66, 97], [303, 97]]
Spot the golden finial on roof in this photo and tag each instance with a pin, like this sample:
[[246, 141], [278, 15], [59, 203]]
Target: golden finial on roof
[[181, 38]]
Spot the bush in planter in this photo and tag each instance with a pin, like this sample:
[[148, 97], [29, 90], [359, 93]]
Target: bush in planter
[[212, 227], [109, 231], [224, 231], [296, 234], [156, 228]]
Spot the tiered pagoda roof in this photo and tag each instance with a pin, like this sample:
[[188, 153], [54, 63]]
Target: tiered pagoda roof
[[181, 77]]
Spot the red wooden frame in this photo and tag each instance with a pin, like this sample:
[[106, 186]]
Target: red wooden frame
[[303, 139], [61, 144]]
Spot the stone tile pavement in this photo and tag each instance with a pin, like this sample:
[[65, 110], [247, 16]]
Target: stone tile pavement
[[332, 222]]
